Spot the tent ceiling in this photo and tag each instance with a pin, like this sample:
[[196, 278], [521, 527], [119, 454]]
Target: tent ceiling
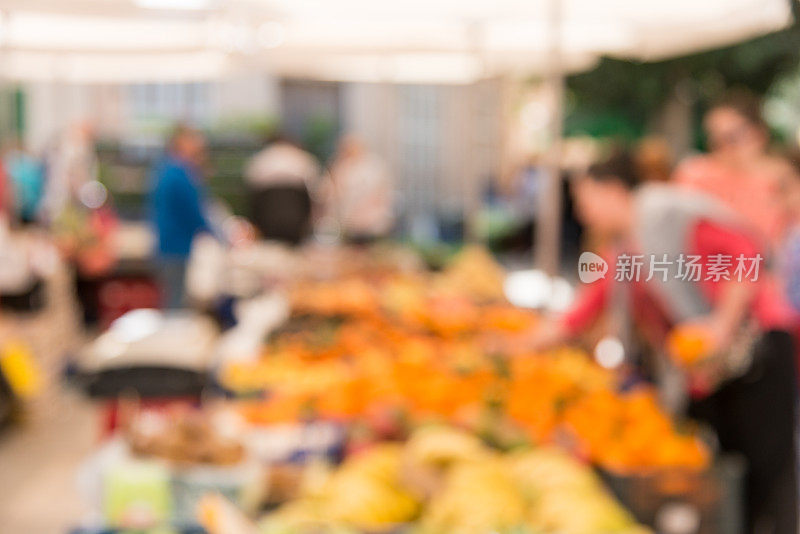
[[412, 40]]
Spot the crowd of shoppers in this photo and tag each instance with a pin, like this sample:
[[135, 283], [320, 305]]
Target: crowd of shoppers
[[740, 201], [45, 187], [289, 191], [60, 190], [289, 194]]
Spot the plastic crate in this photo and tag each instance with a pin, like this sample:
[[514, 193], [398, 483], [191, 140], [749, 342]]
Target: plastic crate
[[683, 501]]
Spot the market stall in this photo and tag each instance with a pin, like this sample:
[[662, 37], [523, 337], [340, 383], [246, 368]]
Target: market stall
[[392, 397], [342, 389]]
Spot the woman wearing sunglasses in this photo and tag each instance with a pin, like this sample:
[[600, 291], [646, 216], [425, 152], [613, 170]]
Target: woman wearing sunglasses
[[739, 170]]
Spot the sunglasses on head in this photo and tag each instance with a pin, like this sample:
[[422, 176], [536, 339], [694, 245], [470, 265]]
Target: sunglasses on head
[[730, 138]]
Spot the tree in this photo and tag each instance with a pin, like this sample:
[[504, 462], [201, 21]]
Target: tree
[[620, 98]]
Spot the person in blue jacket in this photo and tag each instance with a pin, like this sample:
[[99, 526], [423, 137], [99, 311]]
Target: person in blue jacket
[[178, 207]]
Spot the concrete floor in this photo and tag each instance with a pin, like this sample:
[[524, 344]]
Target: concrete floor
[[40, 455], [39, 458]]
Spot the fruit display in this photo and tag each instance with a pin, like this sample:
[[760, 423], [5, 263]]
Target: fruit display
[[371, 370], [473, 272], [396, 349], [477, 490], [364, 493], [448, 425], [362, 283]]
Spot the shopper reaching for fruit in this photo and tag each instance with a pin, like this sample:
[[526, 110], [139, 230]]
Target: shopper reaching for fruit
[[678, 277]]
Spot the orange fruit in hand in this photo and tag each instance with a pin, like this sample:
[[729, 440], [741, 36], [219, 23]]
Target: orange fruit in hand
[[689, 344]]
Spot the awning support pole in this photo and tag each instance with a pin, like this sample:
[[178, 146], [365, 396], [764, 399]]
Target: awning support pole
[[548, 228]]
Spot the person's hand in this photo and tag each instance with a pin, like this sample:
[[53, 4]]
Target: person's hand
[[709, 334], [544, 336], [699, 346], [239, 232], [95, 260]]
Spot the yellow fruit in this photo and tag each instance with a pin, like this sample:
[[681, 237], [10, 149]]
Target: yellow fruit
[[380, 463], [582, 512], [479, 497], [441, 446], [547, 469], [364, 492]]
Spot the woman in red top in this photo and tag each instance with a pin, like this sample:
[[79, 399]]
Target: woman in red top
[[750, 402], [739, 171]]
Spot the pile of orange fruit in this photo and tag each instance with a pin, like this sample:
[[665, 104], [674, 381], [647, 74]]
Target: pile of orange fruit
[[397, 347]]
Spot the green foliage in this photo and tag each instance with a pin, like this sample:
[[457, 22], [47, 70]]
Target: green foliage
[[256, 126], [619, 98], [319, 136]]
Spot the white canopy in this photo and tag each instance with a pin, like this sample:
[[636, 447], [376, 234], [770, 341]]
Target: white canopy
[[372, 40], [425, 41]]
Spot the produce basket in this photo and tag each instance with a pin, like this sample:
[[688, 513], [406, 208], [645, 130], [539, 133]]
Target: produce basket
[[685, 501]]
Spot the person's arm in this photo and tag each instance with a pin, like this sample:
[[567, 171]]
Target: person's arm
[[732, 308], [731, 299], [587, 308], [591, 302], [690, 172]]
